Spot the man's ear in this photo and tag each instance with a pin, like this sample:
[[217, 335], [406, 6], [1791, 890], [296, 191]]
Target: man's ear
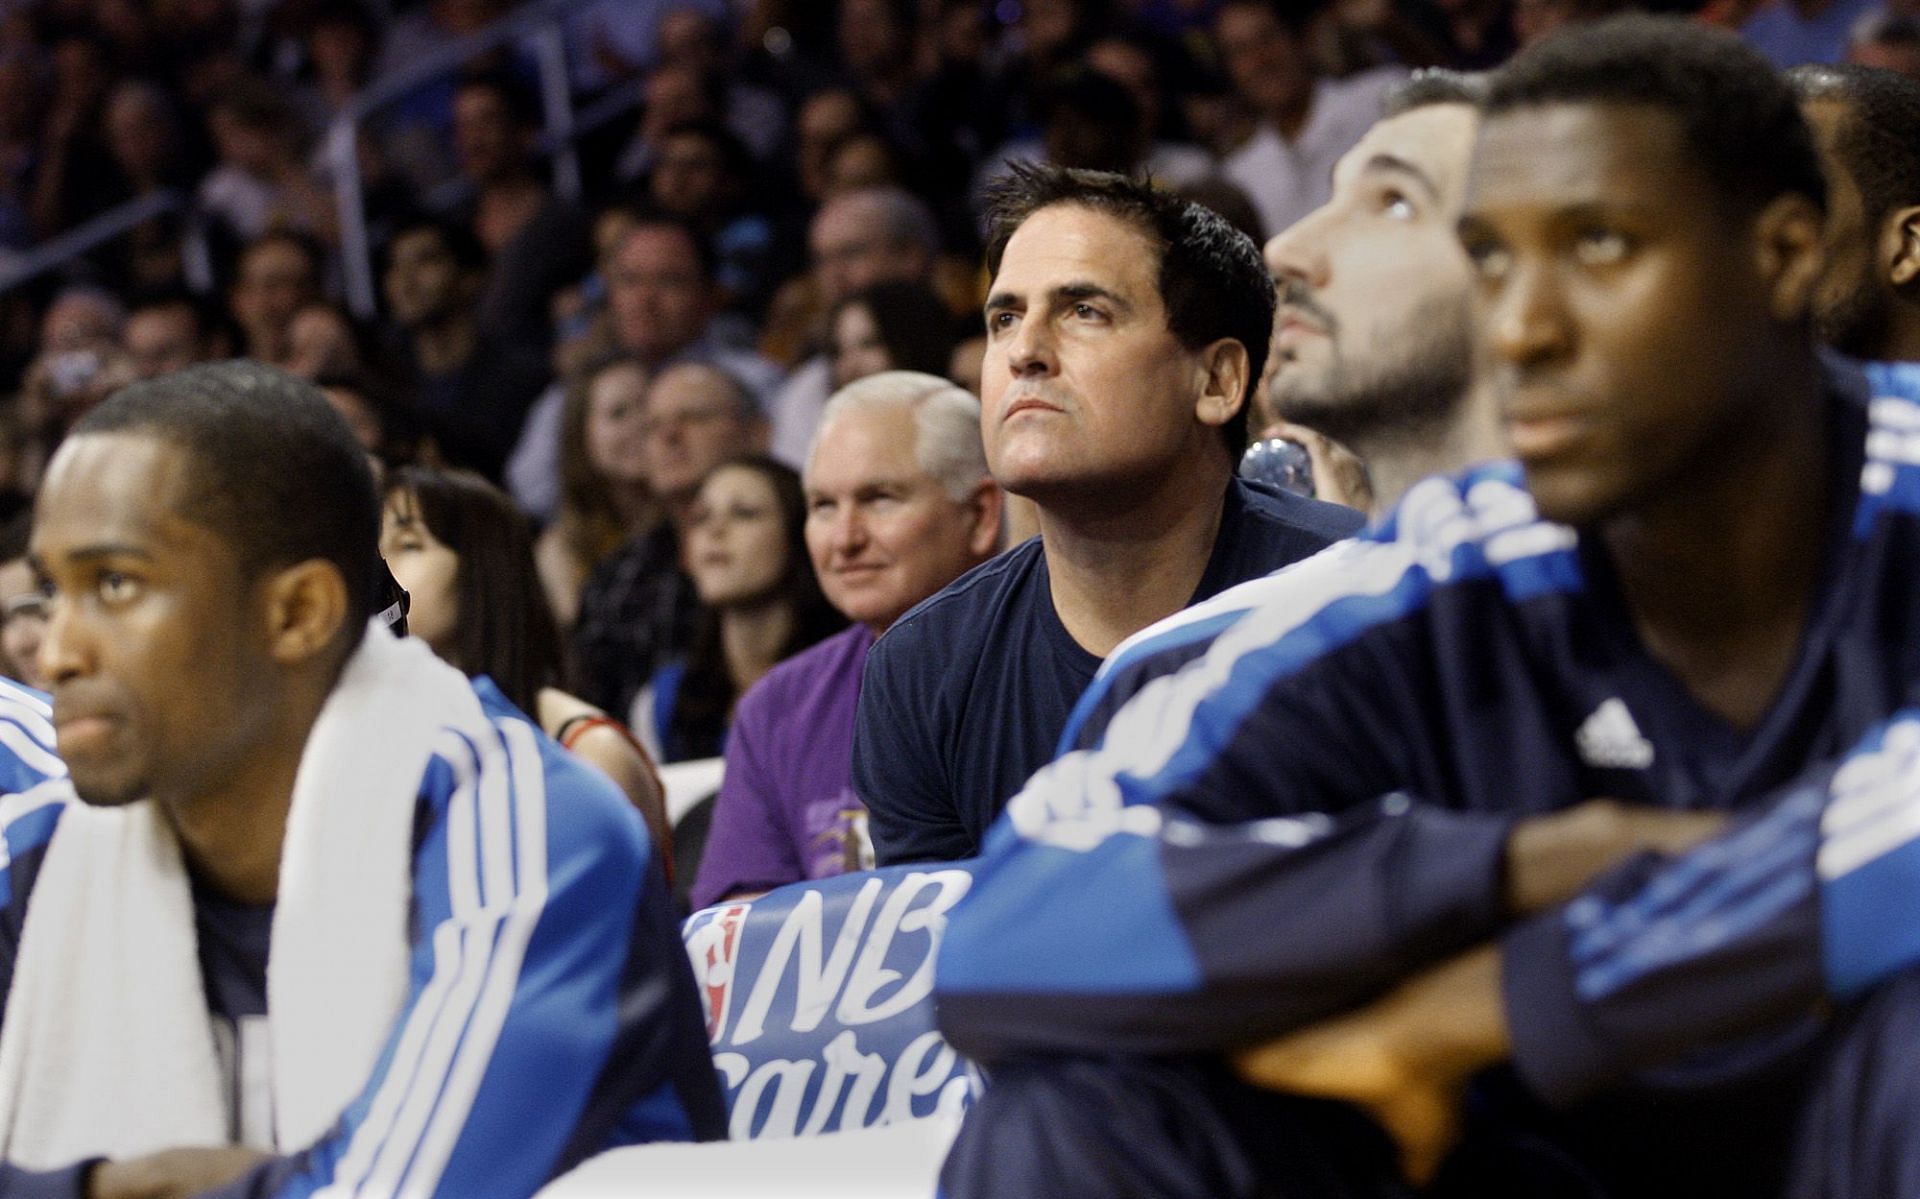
[[305, 605], [1900, 246], [1790, 254], [983, 535], [1224, 387]]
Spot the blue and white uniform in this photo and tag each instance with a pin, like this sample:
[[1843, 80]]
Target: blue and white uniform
[[1318, 806], [601, 1044]]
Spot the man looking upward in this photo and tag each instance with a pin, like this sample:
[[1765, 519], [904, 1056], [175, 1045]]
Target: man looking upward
[[1125, 331]]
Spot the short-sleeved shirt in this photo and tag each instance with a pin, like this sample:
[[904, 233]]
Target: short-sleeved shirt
[[965, 695], [787, 810]]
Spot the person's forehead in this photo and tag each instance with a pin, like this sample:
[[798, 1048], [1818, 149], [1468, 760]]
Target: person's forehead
[[1435, 139], [847, 220], [864, 446], [687, 386], [116, 488], [1072, 243], [1583, 154], [654, 244]]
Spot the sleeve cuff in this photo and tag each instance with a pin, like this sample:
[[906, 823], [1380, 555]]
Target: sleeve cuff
[[1556, 1051], [1448, 873]]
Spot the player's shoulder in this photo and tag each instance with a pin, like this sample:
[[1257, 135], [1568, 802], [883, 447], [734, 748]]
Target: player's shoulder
[[1890, 478]]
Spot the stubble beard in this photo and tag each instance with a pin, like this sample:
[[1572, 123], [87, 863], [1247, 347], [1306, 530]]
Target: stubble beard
[[1404, 387]]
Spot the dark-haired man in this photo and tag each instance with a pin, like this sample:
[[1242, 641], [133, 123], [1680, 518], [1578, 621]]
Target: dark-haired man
[[1702, 597], [474, 388], [1125, 330], [364, 918], [1866, 122]]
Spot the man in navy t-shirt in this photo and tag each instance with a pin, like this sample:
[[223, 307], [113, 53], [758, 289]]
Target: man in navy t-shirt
[[1126, 330]]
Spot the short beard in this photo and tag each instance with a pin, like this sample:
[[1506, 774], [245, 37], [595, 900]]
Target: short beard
[[1857, 324], [1400, 390]]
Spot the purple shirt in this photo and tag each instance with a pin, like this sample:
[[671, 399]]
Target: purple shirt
[[787, 810]]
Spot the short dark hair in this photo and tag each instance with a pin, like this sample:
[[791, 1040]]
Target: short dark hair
[[1737, 116], [504, 629], [280, 475], [1213, 282], [703, 250], [1435, 85], [467, 251], [1878, 137], [523, 108]]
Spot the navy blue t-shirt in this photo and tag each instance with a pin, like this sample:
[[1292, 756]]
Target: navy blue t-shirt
[[966, 694]]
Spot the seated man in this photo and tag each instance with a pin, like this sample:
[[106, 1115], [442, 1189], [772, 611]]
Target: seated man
[[899, 504], [367, 927], [1703, 594], [1126, 331]]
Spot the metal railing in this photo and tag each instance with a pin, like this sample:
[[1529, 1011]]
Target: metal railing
[[89, 236], [539, 26]]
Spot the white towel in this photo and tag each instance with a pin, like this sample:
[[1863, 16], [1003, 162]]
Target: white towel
[[106, 1046]]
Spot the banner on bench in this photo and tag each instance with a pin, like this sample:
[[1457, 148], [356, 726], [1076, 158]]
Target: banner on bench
[[819, 1002]]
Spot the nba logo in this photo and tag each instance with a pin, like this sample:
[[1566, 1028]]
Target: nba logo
[[715, 948]]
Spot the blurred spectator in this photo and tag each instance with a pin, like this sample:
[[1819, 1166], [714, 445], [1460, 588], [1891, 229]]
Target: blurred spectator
[[760, 604], [826, 118], [74, 175], [1127, 329], [661, 301], [261, 183], [339, 41], [23, 606], [276, 275], [604, 495], [145, 140], [474, 389], [23, 91], [464, 554], [324, 339], [1535, 19], [173, 331], [1791, 32], [899, 504], [676, 94], [893, 326], [381, 420], [637, 610], [698, 38], [494, 120], [858, 239], [79, 318], [1302, 124], [701, 176], [1890, 41]]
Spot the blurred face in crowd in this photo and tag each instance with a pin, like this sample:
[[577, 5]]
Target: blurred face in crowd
[[1630, 317], [823, 121], [1374, 329], [487, 139], [688, 175], [139, 134], [426, 567], [147, 605], [616, 423], [1853, 309], [320, 342], [250, 145], [736, 549], [882, 532], [76, 320], [692, 423], [424, 281], [361, 417], [1083, 384], [1130, 67], [851, 248], [23, 621], [858, 350], [162, 339], [1264, 59], [275, 278], [657, 292]]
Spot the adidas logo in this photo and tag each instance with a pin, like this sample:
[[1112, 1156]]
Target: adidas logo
[[1610, 740]]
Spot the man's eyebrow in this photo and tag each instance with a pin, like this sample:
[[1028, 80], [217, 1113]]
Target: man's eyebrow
[[105, 549], [1091, 291], [1002, 299], [1393, 164]]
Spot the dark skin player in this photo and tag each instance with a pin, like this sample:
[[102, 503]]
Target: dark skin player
[[149, 605], [1650, 346]]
